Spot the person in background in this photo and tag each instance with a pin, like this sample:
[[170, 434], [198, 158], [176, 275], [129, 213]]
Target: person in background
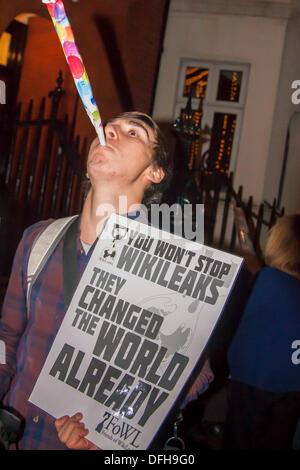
[[264, 357]]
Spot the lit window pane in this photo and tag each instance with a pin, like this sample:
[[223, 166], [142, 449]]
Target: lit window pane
[[222, 136], [229, 86], [195, 82], [5, 40]]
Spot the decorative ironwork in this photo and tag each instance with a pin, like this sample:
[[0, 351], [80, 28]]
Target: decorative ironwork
[[42, 171], [206, 184]]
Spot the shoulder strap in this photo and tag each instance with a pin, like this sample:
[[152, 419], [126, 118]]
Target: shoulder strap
[[70, 263], [42, 249]]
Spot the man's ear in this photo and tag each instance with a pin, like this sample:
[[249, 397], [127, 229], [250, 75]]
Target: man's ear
[[155, 174]]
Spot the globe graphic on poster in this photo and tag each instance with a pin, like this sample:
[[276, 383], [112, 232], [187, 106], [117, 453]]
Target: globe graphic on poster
[[178, 327]]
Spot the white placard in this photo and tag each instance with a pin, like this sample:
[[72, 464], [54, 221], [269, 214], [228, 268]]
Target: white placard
[[138, 322]]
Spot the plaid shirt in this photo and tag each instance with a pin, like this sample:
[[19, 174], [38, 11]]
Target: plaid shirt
[[28, 338]]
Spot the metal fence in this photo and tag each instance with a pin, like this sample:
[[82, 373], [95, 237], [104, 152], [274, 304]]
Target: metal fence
[[42, 163], [265, 215], [42, 170], [215, 190]]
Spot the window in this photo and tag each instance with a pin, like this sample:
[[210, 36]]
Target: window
[[218, 92]]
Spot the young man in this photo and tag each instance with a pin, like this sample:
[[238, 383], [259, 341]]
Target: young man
[[134, 164]]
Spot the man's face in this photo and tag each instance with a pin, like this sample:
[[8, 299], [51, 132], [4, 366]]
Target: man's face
[[127, 156]]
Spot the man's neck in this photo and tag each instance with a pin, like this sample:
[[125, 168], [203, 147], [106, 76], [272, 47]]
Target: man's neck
[[98, 206]]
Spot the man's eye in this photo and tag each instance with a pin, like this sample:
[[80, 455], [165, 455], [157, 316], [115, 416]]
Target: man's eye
[[133, 133]]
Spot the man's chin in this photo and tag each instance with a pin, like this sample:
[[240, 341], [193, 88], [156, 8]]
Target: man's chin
[[100, 173]]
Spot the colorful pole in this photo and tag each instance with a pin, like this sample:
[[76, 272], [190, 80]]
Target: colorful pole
[[64, 31]]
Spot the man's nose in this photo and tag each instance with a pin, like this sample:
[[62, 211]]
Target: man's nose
[[111, 131]]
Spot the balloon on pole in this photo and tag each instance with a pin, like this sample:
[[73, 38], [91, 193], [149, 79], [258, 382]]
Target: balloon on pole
[[64, 31]]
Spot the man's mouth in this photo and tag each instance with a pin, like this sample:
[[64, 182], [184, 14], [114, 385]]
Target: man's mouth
[[99, 151]]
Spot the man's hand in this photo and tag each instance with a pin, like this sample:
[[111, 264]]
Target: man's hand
[[72, 433]]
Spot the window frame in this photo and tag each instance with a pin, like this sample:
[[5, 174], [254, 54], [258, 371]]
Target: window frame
[[210, 103]]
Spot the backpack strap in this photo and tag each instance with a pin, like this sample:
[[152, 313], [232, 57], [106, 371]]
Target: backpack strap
[[42, 248]]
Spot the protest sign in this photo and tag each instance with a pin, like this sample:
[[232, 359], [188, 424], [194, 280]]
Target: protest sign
[[135, 329]]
